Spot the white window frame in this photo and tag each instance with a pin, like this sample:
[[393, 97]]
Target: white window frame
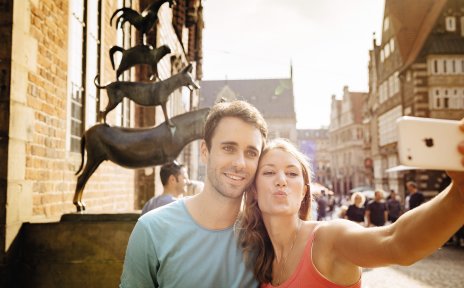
[[450, 23]]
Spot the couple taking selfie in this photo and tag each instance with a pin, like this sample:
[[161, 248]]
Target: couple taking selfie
[[213, 240]]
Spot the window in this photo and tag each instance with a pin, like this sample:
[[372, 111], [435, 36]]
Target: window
[[83, 65], [387, 50], [446, 98], [386, 24], [75, 77], [450, 23], [123, 111], [392, 45], [446, 102], [462, 26]]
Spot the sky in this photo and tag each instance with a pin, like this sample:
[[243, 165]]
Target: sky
[[327, 43]]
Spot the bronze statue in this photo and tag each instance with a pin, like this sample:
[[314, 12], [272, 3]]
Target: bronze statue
[[136, 148], [147, 93], [144, 21], [140, 54]]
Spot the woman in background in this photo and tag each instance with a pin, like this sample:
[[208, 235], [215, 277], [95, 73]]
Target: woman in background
[[356, 210]]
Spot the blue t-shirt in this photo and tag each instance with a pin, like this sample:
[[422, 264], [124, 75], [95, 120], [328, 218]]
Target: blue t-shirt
[[167, 248]]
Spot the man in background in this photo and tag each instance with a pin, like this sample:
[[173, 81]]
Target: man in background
[[394, 207], [174, 179], [416, 198], [376, 211]]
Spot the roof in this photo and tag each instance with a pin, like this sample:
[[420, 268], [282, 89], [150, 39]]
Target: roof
[[412, 21], [448, 44], [273, 97]]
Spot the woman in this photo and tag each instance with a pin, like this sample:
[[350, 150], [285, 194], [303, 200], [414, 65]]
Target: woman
[[286, 250], [356, 210]]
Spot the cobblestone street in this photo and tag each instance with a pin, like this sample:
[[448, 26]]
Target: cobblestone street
[[443, 269]]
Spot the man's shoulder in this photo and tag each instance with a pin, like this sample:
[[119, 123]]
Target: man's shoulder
[[165, 212]]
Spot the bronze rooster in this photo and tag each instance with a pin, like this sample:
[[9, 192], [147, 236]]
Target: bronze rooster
[[144, 21]]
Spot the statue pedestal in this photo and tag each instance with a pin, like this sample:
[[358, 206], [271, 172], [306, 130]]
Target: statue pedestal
[[105, 217], [82, 250]]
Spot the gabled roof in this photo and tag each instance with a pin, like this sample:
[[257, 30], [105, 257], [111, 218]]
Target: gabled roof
[[413, 21], [273, 97]]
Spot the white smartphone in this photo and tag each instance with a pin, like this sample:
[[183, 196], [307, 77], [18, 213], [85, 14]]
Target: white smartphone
[[427, 143]]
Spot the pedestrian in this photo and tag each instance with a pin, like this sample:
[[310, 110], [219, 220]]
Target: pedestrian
[[286, 250], [393, 206], [174, 179], [416, 198], [321, 206], [376, 210], [191, 242], [356, 210]]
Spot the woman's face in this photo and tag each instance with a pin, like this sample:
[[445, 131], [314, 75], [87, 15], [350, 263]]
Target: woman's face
[[280, 184]]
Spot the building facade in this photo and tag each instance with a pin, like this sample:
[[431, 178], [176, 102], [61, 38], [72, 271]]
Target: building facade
[[416, 70], [346, 137], [52, 52], [314, 143]]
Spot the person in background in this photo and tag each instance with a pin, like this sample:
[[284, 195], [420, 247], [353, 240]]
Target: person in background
[[191, 242], [286, 250], [174, 179], [416, 198], [321, 206], [356, 210], [393, 206], [376, 210]]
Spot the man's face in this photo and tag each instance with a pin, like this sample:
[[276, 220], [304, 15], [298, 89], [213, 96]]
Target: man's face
[[233, 157]]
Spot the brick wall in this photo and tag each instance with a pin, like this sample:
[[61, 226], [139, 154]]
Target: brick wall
[[49, 166]]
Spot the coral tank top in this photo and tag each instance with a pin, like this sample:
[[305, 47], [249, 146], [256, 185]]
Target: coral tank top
[[306, 274]]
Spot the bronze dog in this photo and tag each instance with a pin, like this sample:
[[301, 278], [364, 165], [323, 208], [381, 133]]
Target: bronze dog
[[140, 54], [147, 93], [136, 148]]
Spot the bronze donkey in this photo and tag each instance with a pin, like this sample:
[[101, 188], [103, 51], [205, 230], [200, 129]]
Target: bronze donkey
[[136, 148], [147, 93], [140, 54]]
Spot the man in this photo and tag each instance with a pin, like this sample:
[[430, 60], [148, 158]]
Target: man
[[191, 243], [376, 211], [393, 206], [321, 206], [416, 198], [174, 179]]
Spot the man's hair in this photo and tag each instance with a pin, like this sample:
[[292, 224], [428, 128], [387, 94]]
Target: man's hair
[[168, 169], [238, 109], [411, 183]]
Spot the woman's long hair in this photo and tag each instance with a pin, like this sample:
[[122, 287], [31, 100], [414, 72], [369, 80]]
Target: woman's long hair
[[253, 237]]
